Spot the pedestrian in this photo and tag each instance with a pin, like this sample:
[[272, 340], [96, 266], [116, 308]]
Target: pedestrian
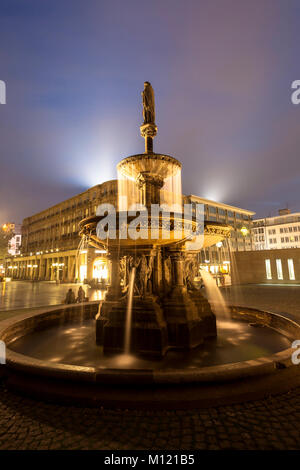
[[81, 295], [70, 297]]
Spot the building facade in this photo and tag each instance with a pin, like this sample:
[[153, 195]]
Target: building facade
[[217, 259], [280, 232], [14, 244], [50, 241], [51, 248], [276, 266]]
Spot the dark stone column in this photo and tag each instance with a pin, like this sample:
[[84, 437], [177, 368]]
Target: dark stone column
[[189, 321], [114, 290], [177, 263]]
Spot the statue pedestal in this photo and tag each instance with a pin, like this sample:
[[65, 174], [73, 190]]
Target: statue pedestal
[[148, 131], [148, 329], [189, 319]]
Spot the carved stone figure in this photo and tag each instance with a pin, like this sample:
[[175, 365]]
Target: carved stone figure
[[148, 104], [124, 276], [190, 272], [140, 276], [167, 270], [144, 267], [149, 273]]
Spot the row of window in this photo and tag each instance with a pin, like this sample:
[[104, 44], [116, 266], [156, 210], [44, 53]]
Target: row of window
[[272, 231], [258, 230], [290, 229], [289, 239], [290, 264], [285, 239], [296, 228], [273, 241]]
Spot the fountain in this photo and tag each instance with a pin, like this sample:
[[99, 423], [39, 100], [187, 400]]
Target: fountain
[[157, 341], [214, 295], [167, 311], [127, 342]]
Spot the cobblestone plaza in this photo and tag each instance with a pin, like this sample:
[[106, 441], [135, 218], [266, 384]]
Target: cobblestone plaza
[[271, 423]]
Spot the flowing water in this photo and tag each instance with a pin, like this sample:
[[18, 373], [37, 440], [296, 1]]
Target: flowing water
[[214, 295], [129, 313], [75, 344], [235, 293]]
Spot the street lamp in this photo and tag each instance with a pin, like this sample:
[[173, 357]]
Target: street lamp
[[244, 231]]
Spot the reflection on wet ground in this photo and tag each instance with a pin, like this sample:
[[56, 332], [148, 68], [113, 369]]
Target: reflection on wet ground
[[283, 299], [25, 294], [75, 344]]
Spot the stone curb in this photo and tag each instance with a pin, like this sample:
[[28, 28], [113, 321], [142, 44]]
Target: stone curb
[[15, 327]]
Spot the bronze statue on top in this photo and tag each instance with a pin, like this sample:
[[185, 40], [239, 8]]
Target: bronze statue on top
[[148, 128], [148, 104]]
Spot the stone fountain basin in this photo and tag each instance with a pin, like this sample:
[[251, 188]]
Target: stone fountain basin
[[214, 232], [154, 163], [154, 388]]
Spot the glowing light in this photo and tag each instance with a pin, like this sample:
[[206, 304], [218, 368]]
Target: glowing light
[[219, 244], [82, 272], [214, 269], [244, 231], [100, 269], [124, 360]]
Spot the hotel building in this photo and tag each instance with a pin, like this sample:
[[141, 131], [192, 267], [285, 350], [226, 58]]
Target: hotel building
[[280, 232], [276, 255]]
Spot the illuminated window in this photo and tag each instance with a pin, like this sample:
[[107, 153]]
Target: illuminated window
[[279, 269], [100, 270], [268, 269], [82, 272], [291, 269]]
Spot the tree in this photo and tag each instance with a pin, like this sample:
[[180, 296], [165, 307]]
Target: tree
[[6, 234]]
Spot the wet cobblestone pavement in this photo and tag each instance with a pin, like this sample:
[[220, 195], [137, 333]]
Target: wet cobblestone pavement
[[271, 423], [265, 424]]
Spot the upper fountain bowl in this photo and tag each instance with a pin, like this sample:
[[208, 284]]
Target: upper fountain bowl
[[154, 163], [214, 232]]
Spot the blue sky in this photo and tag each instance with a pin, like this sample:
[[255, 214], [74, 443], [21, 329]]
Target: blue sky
[[222, 73]]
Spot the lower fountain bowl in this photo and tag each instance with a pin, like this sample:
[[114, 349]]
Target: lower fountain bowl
[[202, 377]]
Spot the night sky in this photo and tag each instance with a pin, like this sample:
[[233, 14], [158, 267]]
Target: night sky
[[222, 73]]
